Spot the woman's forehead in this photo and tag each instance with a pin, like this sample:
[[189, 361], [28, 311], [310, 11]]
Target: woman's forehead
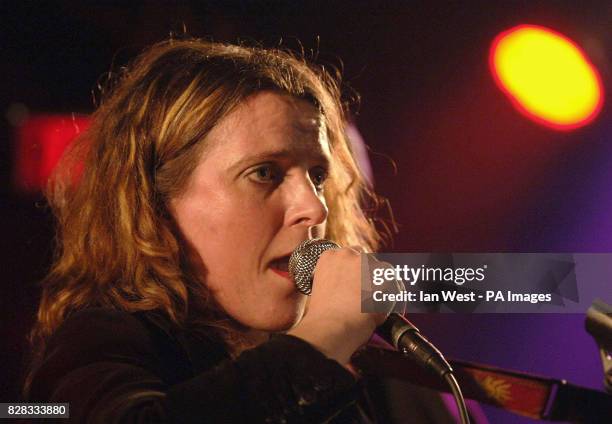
[[269, 110], [270, 122]]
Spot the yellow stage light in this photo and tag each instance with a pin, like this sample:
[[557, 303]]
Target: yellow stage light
[[546, 76]]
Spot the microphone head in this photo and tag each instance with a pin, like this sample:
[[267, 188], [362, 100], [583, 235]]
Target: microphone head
[[304, 259]]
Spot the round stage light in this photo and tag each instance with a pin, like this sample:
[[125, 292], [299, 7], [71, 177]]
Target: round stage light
[[546, 76]]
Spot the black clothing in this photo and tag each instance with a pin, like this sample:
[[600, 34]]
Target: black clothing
[[113, 366]]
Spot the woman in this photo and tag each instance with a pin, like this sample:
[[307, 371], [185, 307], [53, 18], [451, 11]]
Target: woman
[[170, 300]]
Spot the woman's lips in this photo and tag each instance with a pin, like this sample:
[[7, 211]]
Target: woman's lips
[[282, 273]]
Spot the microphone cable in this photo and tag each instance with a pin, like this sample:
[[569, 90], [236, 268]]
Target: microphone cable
[[407, 339], [463, 412]]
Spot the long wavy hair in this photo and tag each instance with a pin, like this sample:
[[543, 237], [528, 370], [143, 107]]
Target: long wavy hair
[[117, 245]]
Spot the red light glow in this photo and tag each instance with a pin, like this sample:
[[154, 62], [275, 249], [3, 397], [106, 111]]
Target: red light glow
[[41, 141]]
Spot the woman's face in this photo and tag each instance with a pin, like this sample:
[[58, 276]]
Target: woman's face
[[257, 192]]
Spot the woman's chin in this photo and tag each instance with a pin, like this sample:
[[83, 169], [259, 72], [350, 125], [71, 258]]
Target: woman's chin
[[282, 321], [271, 315]]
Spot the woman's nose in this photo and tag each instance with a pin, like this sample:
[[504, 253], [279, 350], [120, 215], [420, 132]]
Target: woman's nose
[[305, 205]]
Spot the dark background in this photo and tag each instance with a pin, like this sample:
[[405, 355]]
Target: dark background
[[463, 170]]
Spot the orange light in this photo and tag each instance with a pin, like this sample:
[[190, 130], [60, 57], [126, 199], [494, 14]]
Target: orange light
[[546, 76]]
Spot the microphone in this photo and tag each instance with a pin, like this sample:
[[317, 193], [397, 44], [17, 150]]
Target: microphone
[[396, 330]]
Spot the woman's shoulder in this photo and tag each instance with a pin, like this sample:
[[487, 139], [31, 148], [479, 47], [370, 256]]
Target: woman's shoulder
[[99, 337], [151, 335], [96, 327], [102, 317]]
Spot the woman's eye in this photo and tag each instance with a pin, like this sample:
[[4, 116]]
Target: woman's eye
[[318, 175], [265, 174]]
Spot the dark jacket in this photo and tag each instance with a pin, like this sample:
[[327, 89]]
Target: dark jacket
[[114, 366]]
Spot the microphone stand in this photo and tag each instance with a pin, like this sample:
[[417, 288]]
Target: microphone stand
[[599, 325], [537, 397]]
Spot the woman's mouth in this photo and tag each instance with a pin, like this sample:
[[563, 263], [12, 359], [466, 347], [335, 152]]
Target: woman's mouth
[[281, 266]]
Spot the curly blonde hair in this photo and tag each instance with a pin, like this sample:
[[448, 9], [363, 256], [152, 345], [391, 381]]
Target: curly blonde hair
[[117, 245]]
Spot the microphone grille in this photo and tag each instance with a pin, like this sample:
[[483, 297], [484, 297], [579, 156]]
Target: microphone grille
[[304, 259]]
